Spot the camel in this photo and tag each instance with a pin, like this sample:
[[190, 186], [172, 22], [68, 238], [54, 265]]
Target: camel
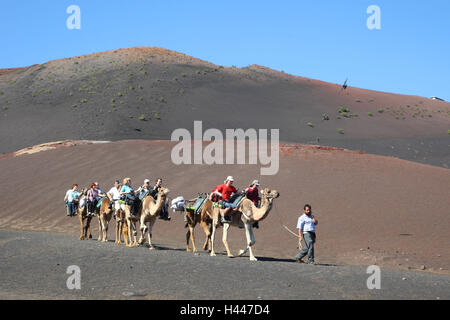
[[151, 209], [121, 227], [205, 223], [104, 216], [246, 216], [130, 221], [85, 220]]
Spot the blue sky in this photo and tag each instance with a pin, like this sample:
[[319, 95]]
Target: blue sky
[[325, 40]]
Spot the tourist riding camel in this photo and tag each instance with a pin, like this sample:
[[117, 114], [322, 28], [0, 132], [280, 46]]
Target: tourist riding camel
[[164, 214], [84, 218], [247, 215], [252, 193], [114, 196], [129, 204], [150, 210], [222, 195], [93, 196]]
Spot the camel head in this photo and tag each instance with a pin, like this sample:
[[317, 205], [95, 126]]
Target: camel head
[[268, 195], [163, 192]]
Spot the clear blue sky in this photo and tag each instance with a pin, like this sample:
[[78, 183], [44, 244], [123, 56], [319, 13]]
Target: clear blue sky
[[325, 40]]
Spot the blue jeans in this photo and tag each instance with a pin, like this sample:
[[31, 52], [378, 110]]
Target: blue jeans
[[310, 239], [70, 208], [226, 204]]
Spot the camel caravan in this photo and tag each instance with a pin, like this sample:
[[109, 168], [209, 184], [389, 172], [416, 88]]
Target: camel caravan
[[224, 206]]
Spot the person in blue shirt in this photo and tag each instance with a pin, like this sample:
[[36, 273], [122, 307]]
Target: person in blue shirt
[[306, 226], [71, 199]]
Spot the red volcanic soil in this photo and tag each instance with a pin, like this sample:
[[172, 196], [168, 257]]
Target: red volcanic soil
[[371, 209]]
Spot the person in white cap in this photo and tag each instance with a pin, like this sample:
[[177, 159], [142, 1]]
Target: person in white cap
[[252, 193], [144, 190], [222, 194]]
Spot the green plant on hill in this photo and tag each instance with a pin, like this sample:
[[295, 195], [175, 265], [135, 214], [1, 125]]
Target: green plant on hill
[[325, 116], [142, 117], [310, 124], [370, 100], [119, 94], [370, 114], [162, 99], [448, 131], [380, 110], [341, 131], [358, 100], [156, 115], [83, 100]]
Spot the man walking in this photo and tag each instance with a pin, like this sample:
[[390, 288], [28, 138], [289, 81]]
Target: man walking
[[306, 226]]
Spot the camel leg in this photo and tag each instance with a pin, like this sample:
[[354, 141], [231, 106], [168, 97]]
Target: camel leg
[[150, 227], [89, 227], [188, 237], [125, 233], [143, 229], [104, 221], [247, 235], [129, 233], [207, 229], [118, 239], [135, 243], [191, 228], [224, 239], [213, 235], [100, 228], [250, 241], [81, 227]]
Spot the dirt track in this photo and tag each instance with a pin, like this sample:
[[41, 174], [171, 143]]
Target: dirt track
[[33, 266]]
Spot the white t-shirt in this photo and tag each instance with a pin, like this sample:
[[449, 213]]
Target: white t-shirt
[[306, 224], [115, 193]]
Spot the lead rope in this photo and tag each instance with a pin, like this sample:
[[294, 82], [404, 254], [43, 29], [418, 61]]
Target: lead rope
[[300, 245]]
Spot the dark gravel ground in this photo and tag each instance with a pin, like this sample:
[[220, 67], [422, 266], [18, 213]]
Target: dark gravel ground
[[33, 266]]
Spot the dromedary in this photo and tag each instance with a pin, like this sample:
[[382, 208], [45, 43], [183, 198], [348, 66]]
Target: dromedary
[[247, 215], [121, 227], [150, 211], [205, 223], [131, 221], [104, 216], [85, 220]]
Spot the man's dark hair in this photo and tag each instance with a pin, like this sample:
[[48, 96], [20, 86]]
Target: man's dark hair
[[307, 206], [117, 181]]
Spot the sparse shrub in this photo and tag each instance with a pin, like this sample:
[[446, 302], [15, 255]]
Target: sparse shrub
[[113, 100], [370, 114], [341, 131], [370, 100], [142, 117], [184, 75], [175, 79], [325, 116], [448, 131], [131, 88], [140, 87], [380, 110], [358, 100], [310, 124], [83, 100], [162, 99], [182, 91], [156, 115], [1, 93], [74, 106], [343, 110], [119, 94]]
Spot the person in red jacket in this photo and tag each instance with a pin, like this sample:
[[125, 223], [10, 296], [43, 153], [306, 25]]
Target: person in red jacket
[[252, 193], [222, 194]]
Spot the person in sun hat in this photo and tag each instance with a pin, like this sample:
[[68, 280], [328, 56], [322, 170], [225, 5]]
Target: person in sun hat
[[222, 193]]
